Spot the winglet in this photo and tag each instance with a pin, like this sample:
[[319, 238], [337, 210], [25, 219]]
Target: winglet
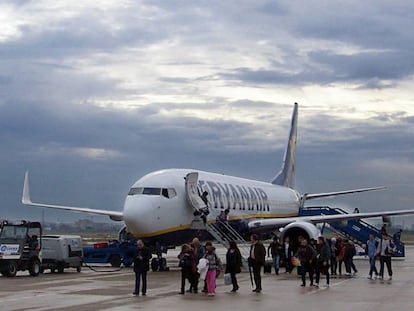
[[26, 190]]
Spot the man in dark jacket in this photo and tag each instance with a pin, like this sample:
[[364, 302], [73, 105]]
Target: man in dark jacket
[[257, 260], [306, 255], [322, 260], [141, 267]]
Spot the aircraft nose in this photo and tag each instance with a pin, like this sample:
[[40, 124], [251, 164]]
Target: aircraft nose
[[137, 214]]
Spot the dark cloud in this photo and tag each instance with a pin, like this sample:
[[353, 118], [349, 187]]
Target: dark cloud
[[371, 70], [390, 65], [62, 88], [369, 24]]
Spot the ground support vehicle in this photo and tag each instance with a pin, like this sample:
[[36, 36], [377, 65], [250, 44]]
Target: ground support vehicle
[[20, 248], [61, 251], [112, 252], [117, 253]]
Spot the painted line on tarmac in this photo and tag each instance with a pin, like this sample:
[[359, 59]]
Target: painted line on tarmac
[[321, 288], [5, 299]]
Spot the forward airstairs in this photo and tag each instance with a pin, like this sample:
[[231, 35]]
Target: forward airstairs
[[357, 231], [221, 231]]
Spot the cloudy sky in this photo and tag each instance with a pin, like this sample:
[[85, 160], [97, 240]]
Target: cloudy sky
[[95, 94]]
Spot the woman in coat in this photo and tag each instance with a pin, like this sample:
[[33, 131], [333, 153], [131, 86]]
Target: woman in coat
[[188, 268], [233, 263]]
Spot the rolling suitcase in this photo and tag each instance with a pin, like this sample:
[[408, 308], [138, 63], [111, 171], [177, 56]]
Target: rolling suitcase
[[268, 266]]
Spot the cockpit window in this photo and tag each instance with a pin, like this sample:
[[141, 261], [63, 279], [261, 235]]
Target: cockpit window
[[135, 191], [165, 192], [171, 192], [152, 191]]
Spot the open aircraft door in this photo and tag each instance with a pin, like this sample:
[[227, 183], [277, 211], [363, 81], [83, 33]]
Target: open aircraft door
[[193, 196]]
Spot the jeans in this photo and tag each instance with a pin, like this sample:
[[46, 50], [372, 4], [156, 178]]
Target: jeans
[[276, 263], [372, 267]]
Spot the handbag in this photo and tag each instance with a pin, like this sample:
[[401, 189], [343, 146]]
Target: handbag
[[227, 279]]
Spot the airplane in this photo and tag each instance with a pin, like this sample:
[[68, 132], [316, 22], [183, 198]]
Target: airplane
[[161, 206]]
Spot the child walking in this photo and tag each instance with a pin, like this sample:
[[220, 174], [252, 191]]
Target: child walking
[[214, 265]]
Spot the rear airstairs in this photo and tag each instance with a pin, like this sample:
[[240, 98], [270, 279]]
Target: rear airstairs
[[356, 230]]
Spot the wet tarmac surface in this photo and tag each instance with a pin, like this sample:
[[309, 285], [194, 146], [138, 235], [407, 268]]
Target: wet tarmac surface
[[91, 290]]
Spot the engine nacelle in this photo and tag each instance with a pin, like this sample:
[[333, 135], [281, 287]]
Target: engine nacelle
[[299, 228]]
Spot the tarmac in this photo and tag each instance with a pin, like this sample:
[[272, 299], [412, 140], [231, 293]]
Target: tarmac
[[89, 290]]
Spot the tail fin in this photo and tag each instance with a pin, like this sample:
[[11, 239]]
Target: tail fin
[[286, 176]]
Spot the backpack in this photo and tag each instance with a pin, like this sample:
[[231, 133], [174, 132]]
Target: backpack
[[185, 262]]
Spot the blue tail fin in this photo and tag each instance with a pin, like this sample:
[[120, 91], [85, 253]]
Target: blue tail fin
[[286, 176]]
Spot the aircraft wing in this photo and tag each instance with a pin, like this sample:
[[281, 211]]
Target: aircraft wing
[[117, 216], [274, 223], [310, 196]]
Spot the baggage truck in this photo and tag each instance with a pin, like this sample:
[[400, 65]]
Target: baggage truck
[[61, 251]]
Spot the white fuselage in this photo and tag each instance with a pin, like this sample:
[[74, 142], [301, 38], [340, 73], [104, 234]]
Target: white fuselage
[[157, 203]]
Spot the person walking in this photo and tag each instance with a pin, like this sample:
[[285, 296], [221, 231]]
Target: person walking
[[233, 264], [198, 254], [256, 261], [275, 250], [385, 251], [322, 264], [341, 254], [372, 246], [287, 254], [214, 265], [397, 236], [142, 257], [188, 267], [334, 256], [350, 252], [306, 255]]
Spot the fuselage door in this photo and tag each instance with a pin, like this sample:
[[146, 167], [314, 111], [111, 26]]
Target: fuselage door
[[191, 188]]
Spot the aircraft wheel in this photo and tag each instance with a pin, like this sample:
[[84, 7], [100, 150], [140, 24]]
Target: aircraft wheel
[[115, 261], [79, 268], [60, 268], [155, 265], [34, 267]]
